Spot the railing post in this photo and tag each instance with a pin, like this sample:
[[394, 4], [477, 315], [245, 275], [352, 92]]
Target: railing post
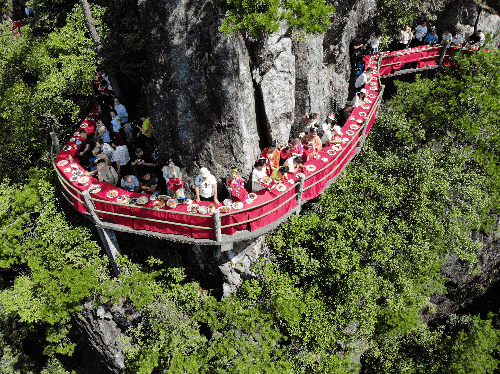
[[107, 236], [55, 141], [217, 227], [443, 53], [299, 190]]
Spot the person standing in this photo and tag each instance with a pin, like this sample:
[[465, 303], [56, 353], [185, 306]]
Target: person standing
[[420, 33], [171, 171], [206, 187]]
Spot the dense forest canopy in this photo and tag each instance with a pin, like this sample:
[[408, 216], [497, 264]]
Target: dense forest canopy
[[355, 273]]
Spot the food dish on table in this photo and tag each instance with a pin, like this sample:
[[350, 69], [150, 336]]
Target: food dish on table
[[77, 172], [83, 180], [373, 96], [373, 88], [352, 118], [224, 209], [362, 114], [67, 148], [337, 147], [359, 120], [94, 188], [67, 170], [291, 181], [227, 202], [158, 204], [112, 194], [365, 107], [237, 205], [349, 132], [123, 199], [249, 201], [74, 165], [192, 208], [84, 125], [266, 180], [331, 152], [202, 210], [163, 198], [152, 198], [368, 101], [354, 127], [142, 200], [252, 195], [281, 187], [72, 140], [310, 167], [62, 163], [301, 175], [74, 178], [324, 159], [171, 203]]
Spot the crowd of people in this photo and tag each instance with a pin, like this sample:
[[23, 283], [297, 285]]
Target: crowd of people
[[122, 152]]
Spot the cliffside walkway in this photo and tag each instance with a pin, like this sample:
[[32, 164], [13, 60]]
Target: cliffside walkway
[[271, 207]]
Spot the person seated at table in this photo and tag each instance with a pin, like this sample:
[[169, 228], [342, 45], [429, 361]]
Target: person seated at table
[[259, 172], [282, 173], [130, 183], [286, 153], [120, 156], [93, 160], [363, 78], [477, 39], [85, 153], [105, 147], [326, 138], [171, 171], [312, 140], [432, 37], [148, 183], [446, 37], [359, 98], [101, 132], [420, 32], [139, 159], [375, 43], [234, 180], [206, 187], [294, 164], [345, 113], [272, 153], [310, 121], [325, 126], [105, 173], [457, 40], [116, 125], [297, 147]]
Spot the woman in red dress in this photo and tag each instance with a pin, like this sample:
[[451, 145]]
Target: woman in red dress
[[272, 153]]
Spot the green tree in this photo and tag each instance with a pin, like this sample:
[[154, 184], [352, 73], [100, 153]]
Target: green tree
[[310, 16]]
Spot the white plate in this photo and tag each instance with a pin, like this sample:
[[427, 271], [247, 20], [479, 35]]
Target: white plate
[[203, 210], [352, 118], [252, 195], [349, 132], [72, 140], [171, 203], [62, 163], [373, 96], [248, 201], [74, 165], [331, 152], [142, 200], [74, 178], [373, 83], [67, 148], [152, 198], [83, 180], [227, 202], [123, 199], [84, 125], [362, 114], [354, 126], [373, 88], [365, 107], [324, 159], [77, 172], [192, 208], [368, 101], [301, 175], [291, 181], [359, 120], [337, 147], [67, 170], [280, 187], [345, 140], [310, 167], [237, 205], [94, 188], [112, 194]]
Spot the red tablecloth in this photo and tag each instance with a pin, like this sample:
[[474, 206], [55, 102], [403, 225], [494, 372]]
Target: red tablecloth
[[175, 183], [239, 194]]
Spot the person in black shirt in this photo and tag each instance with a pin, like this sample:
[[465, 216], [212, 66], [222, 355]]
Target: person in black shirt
[[344, 114], [148, 183], [139, 160], [356, 48]]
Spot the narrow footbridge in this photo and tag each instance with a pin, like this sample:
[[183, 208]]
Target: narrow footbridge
[[268, 210]]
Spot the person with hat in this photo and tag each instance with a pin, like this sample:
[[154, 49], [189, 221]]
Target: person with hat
[[259, 172], [272, 153], [172, 174], [206, 187], [363, 78], [359, 97]]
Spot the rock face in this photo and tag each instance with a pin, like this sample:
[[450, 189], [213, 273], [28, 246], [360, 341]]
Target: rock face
[[216, 100]]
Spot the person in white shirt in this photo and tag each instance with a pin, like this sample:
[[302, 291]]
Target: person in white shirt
[[310, 121], [405, 36], [359, 97], [447, 36], [328, 123], [326, 139], [206, 187], [294, 163], [457, 40], [421, 31], [363, 78], [259, 172], [375, 43], [170, 170], [105, 147], [120, 155]]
